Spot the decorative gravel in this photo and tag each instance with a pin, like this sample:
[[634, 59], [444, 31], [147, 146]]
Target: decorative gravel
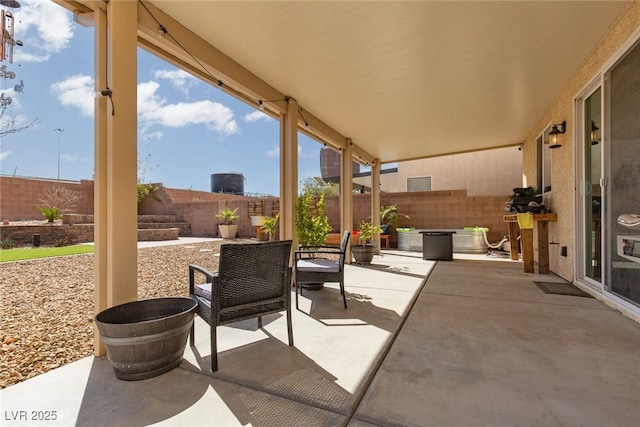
[[47, 305]]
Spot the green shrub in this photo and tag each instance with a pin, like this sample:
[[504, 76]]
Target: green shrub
[[270, 226], [145, 190], [366, 232], [51, 213], [61, 242], [7, 244], [228, 215], [312, 224]]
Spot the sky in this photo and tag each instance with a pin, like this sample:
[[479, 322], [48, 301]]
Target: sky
[[187, 130]]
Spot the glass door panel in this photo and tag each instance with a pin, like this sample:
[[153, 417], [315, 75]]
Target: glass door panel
[[592, 192], [623, 194]]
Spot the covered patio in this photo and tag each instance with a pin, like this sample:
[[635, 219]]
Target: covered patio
[[380, 82], [467, 342]]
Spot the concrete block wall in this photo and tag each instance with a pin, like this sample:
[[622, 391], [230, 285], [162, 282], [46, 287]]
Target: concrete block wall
[[50, 235], [433, 209], [428, 209], [20, 197]]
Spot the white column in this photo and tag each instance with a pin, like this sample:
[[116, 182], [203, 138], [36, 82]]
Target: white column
[[100, 168], [346, 191], [289, 171], [375, 198], [121, 153]]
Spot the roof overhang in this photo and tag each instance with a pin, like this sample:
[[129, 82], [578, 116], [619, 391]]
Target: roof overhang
[[403, 80]]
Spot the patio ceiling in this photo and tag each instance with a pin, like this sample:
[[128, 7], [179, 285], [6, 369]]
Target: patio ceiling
[[407, 80]]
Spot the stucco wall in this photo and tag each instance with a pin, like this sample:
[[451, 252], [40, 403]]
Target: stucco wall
[[481, 173], [562, 164]]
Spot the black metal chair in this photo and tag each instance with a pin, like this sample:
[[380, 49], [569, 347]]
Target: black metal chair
[[253, 279], [321, 264]]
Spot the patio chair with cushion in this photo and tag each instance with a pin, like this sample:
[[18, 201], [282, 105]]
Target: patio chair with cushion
[[320, 265], [252, 280]]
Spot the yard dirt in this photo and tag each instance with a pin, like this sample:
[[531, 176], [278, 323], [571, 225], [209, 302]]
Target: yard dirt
[[47, 305]]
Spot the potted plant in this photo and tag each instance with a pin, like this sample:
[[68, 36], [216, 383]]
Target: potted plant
[[270, 226], [525, 199], [390, 216], [363, 253], [312, 224], [228, 230]]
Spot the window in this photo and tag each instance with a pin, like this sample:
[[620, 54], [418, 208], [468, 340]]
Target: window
[[419, 183], [544, 161]]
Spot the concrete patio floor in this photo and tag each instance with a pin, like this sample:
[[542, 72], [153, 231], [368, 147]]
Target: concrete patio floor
[[467, 342]]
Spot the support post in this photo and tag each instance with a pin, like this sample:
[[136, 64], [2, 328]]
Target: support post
[[121, 154], [289, 171], [100, 180], [375, 200], [346, 193]]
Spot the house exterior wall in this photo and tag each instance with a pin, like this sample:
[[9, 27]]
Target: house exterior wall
[[481, 173], [563, 159]]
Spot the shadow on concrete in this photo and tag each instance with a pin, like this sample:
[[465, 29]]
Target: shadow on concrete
[[404, 271], [268, 383], [108, 401], [327, 308]]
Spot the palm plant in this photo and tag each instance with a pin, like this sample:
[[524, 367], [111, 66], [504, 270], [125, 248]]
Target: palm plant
[[390, 216], [228, 215], [270, 226]]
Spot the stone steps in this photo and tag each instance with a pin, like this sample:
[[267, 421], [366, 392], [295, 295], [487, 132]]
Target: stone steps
[[183, 227], [150, 227]]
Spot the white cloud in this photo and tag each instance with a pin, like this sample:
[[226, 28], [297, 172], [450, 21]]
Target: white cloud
[[5, 154], [274, 152], [76, 91], [153, 109], [69, 158], [44, 28], [180, 79], [254, 116]]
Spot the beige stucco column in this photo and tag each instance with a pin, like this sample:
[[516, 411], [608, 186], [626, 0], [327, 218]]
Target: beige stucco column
[[375, 197], [116, 158], [100, 167], [346, 191], [289, 171]]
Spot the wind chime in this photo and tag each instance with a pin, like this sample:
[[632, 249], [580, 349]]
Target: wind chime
[[7, 42]]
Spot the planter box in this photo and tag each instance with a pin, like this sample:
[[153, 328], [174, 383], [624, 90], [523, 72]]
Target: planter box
[[146, 338]]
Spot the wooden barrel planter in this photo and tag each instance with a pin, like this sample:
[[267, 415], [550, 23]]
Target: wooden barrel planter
[[146, 338]]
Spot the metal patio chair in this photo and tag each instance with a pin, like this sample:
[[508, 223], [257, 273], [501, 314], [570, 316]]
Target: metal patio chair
[[253, 279]]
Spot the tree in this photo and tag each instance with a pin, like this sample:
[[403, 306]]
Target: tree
[[317, 186], [8, 122], [312, 223], [63, 199], [145, 189]]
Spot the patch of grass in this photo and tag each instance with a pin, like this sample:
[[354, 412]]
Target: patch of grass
[[19, 254]]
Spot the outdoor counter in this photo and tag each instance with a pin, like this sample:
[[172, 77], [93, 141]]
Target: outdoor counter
[[526, 241]]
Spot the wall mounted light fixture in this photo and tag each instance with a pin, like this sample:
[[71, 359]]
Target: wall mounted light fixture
[[595, 135], [556, 130]]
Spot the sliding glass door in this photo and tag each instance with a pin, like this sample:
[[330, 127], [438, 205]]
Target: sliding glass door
[[622, 111], [592, 197]]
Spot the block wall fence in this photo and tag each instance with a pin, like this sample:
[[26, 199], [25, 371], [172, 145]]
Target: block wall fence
[[448, 209]]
